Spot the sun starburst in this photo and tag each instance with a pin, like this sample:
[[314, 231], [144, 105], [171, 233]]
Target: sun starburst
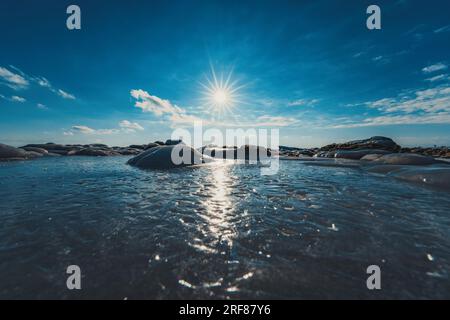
[[221, 94]]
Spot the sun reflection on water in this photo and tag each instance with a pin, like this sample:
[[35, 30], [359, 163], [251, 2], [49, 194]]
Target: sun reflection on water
[[218, 215]]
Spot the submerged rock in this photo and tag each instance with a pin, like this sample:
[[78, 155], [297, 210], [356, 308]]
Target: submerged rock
[[405, 159], [166, 157], [434, 177]]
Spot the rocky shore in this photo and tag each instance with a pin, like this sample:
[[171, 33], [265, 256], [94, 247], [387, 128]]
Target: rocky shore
[[378, 155]]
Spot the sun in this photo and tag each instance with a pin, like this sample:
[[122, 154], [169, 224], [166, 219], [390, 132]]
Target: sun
[[221, 93], [220, 96]]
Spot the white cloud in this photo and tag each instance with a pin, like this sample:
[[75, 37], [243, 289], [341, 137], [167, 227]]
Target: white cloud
[[20, 80], [83, 129], [438, 78], [436, 118], [18, 99], [154, 104], [65, 95], [130, 126], [13, 80], [270, 121], [303, 102], [442, 29], [435, 67], [423, 106], [161, 107], [41, 106]]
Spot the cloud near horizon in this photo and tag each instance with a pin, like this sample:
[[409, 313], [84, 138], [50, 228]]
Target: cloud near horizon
[[179, 116], [125, 126]]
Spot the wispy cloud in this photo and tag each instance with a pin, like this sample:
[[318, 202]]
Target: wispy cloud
[[162, 107], [443, 29], [130, 126], [435, 67], [438, 78], [18, 99], [303, 102], [19, 80], [13, 98], [436, 118], [124, 126], [66, 95], [42, 106], [13, 80]]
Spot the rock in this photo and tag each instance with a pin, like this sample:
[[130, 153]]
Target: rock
[[433, 177], [160, 143], [357, 154], [376, 142], [250, 152], [371, 157], [221, 153], [128, 151], [11, 153], [405, 159], [52, 146], [170, 142], [62, 152], [137, 146], [161, 157], [35, 149], [94, 152], [151, 145]]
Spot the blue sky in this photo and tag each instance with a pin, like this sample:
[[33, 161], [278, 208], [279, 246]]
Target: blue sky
[[312, 69]]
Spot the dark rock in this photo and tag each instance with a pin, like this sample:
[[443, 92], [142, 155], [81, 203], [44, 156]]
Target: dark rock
[[138, 146], [94, 152], [151, 145], [170, 142], [8, 153], [160, 143], [371, 157], [35, 149], [161, 157], [376, 142]]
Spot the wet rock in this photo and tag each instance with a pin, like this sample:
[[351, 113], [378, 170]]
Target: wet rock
[[159, 143], [128, 151], [52, 146], [35, 149], [433, 177], [151, 145], [94, 152], [371, 157], [376, 142], [166, 157], [170, 142], [357, 154], [405, 159], [137, 146], [9, 153]]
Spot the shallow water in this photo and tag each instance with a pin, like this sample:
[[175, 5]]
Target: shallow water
[[217, 231]]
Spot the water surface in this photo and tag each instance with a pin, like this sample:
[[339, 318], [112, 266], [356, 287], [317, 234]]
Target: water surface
[[217, 231]]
